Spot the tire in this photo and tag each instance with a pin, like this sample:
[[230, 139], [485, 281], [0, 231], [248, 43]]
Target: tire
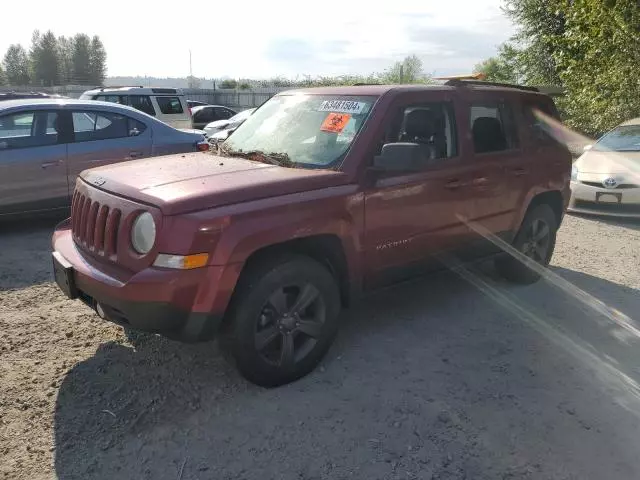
[[537, 221], [283, 319]]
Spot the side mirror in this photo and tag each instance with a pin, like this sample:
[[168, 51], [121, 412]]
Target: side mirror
[[401, 157], [586, 148]]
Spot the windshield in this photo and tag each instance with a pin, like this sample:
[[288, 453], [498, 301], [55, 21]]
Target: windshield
[[621, 139], [312, 131]]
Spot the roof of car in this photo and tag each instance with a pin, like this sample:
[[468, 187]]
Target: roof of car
[[633, 121], [136, 90], [56, 102], [200, 107], [379, 90]]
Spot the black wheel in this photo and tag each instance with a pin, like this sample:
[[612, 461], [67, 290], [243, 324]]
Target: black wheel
[[536, 240], [283, 320]]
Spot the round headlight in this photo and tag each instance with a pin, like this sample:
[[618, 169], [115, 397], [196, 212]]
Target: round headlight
[[143, 233]]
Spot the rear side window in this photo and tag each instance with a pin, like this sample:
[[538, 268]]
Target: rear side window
[[535, 125], [91, 126], [493, 127], [170, 105], [223, 113], [28, 129], [142, 103], [112, 99], [206, 114]]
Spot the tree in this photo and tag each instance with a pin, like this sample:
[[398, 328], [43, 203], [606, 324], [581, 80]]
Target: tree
[[45, 60], [598, 60], [97, 61], [505, 67], [81, 59], [539, 23], [16, 65], [228, 83], [65, 53], [407, 71], [3, 78]]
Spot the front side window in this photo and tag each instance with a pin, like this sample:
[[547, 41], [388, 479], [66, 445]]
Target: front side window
[[625, 138], [90, 126], [430, 125], [28, 129], [170, 105], [493, 128], [142, 103], [309, 131]]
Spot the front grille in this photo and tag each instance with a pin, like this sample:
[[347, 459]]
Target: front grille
[[622, 186], [95, 226]]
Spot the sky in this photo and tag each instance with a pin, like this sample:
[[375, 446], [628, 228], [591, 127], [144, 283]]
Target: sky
[[262, 39]]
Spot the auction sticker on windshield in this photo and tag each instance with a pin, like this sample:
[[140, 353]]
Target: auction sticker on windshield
[[335, 122], [342, 106]]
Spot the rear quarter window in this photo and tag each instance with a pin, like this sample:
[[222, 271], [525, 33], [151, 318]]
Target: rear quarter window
[[170, 105]]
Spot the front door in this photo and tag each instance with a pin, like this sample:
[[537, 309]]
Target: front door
[[413, 218], [33, 157], [101, 138]]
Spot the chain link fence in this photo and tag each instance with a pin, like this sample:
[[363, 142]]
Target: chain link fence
[[237, 99]]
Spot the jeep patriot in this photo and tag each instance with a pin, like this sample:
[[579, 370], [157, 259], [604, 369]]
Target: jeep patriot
[[319, 197]]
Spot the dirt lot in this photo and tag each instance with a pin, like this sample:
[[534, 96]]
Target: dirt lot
[[459, 376]]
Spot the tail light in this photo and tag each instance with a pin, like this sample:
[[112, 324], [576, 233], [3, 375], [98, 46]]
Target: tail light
[[202, 146]]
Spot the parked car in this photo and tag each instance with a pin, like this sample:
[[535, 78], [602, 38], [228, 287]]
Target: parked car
[[229, 123], [221, 135], [45, 144], [195, 103], [166, 104], [320, 196], [605, 180], [27, 95], [204, 114]]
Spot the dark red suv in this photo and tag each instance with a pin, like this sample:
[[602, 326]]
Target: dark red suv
[[320, 196]]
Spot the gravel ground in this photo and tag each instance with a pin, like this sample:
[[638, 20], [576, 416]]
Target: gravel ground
[[458, 376]]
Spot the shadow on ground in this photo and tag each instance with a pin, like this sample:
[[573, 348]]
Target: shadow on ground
[[625, 222], [432, 379], [25, 250]]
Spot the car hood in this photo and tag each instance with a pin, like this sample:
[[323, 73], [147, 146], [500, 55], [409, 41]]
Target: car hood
[[608, 163], [195, 181], [218, 124]]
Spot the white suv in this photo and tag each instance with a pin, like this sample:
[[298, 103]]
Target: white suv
[[166, 104]]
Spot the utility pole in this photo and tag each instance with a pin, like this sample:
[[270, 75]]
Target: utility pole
[[190, 71]]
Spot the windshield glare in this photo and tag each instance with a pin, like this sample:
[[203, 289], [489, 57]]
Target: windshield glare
[[312, 130], [621, 139]]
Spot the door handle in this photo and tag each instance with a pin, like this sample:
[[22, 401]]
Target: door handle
[[519, 172], [136, 154], [51, 164], [453, 184]]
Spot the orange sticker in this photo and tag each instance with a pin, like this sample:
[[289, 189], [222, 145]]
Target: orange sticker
[[335, 122]]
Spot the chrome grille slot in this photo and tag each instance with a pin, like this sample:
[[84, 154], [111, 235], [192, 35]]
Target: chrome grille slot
[[95, 226]]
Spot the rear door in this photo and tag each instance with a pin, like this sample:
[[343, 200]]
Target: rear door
[[496, 149], [172, 110], [101, 138], [33, 158]]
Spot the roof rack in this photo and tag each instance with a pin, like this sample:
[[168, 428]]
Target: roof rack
[[455, 82], [102, 89]]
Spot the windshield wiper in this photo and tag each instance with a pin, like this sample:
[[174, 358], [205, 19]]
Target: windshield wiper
[[274, 158]]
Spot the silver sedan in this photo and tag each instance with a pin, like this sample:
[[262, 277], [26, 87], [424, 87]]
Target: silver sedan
[[45, 144]]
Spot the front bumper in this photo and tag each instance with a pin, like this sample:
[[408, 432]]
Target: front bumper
[[623, 202], [174, 303]]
